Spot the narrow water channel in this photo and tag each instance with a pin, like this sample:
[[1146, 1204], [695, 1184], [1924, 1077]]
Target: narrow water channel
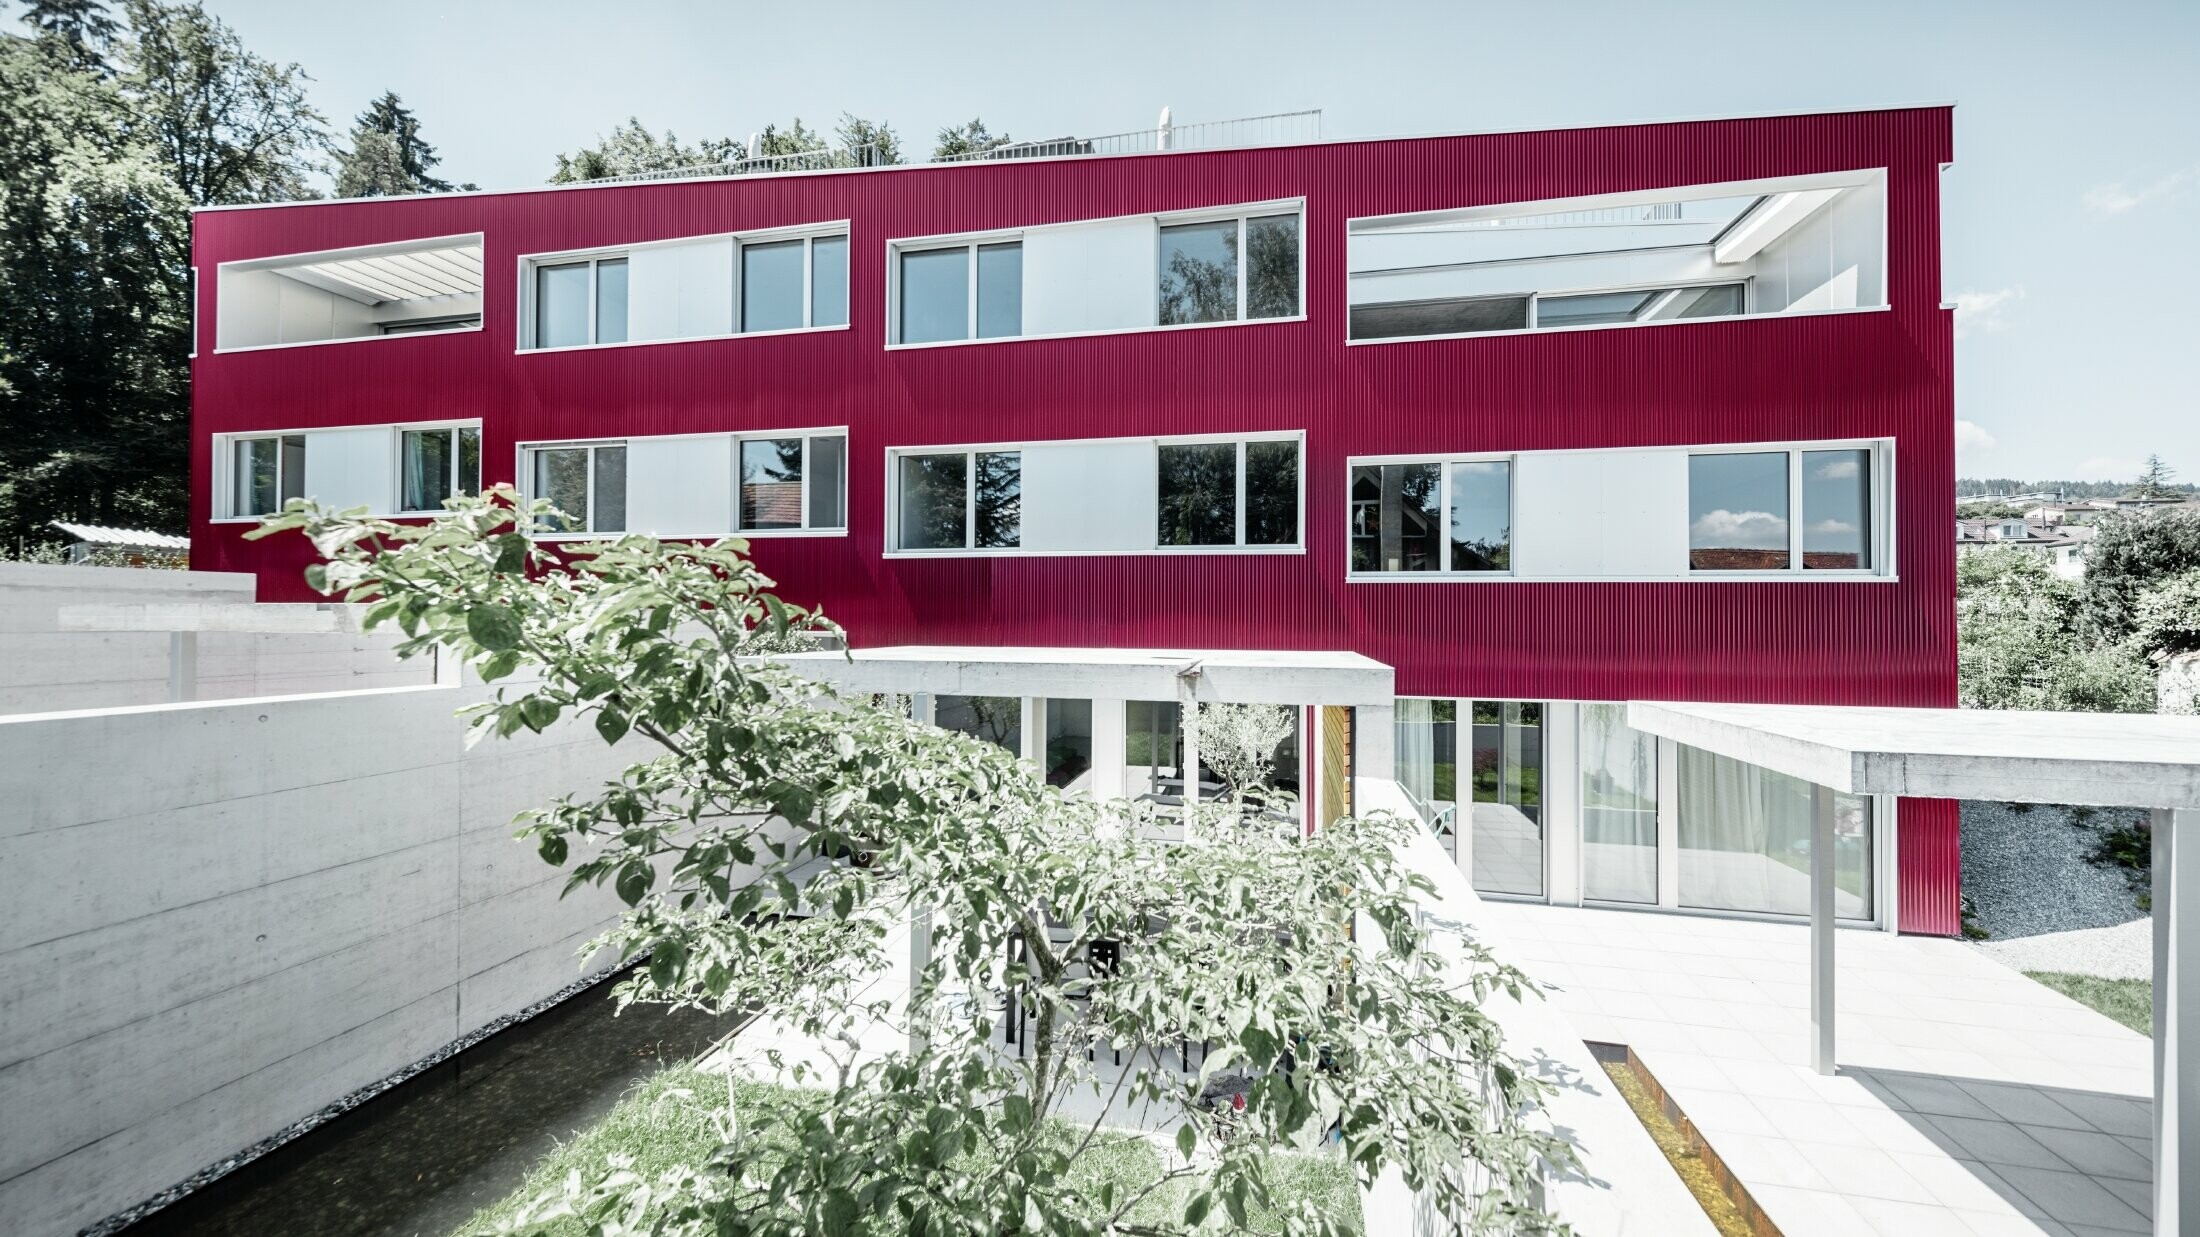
[[424, 1156]]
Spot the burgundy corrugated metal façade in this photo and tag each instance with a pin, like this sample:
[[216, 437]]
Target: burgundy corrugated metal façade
[[1831, 376]]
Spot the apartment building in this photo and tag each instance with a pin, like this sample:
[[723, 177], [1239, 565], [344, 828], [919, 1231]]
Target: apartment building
[[1541, 421]]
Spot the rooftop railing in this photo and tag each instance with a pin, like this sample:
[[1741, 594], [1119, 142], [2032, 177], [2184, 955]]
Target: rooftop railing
[[1278, 129]]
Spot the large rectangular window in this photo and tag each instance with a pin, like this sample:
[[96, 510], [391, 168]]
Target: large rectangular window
[[1798, 244], [1202, 279], [959, 500], [437, 464], [266, 473], [998, 720], [1227, 493], [792, 482], [973, 291], [1742, 510], [383, 291], [1399, 520], [585, 482], [1507, 807], [581, 302], [790, 284], [1619, 807], [1745, 832]]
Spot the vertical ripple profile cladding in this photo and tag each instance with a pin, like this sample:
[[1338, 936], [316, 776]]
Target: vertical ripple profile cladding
[[1880, 374]]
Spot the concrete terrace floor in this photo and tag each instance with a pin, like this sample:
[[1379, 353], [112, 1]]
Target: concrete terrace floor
[[1970, 1101]]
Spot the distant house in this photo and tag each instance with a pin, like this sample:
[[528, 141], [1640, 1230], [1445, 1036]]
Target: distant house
[[2063, 545]]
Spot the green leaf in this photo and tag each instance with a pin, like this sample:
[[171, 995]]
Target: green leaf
[[538, 712], [666, 964], [1017, 1110], [494, 627], [611, 724], [511, 553], [552, 849], [634, 881], [1196, 1211], [317, 577], [1186, 1139]]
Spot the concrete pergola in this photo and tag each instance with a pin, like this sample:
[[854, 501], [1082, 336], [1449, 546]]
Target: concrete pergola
[[2099, 759], [183, 621]]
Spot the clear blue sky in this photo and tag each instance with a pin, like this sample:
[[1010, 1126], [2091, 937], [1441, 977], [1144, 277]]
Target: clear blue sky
[[2071, 218]]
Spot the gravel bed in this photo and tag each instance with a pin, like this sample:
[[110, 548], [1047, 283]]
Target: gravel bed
[[2026, 871], [2125, 951]]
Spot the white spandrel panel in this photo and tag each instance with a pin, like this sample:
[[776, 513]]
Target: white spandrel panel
[[351, 468], [1089, 496], [680, 291], [1558, 509], [1645, 526], [679, 486], [1090, 277]]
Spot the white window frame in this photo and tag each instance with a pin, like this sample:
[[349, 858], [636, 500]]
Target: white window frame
[[224, 463], [807, 232], [526, 474], [901, 249], [1536, 297], [1878, 501], [897, 246], [892, 488], [806, 435], [397, 462], [1882, 497], [225, 473], [1241, 215], [1443, 498]]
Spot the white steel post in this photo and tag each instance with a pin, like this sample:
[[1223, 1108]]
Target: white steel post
[[1821, 929], [2176, 1052]]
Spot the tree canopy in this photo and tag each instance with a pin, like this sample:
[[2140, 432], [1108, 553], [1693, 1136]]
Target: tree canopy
[[388, 157], [772, 837]]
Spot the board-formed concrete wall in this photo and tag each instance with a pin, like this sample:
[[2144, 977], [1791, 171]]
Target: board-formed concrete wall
[[44, 669], [218, 917]]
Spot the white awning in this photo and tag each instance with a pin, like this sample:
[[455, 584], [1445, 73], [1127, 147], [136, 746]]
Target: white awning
[[1250, 676]]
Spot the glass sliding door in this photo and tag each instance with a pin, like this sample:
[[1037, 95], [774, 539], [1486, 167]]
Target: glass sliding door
[[1068, 755], [1506, 813], [1744, 835], [1619, 807]]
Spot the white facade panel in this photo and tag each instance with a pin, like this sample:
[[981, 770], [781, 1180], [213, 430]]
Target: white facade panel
[[1645, 513], [351, 468], [1089, 496], [1595, 514], [1557, 506], [680, 291], [1090, 277], [679, 486]]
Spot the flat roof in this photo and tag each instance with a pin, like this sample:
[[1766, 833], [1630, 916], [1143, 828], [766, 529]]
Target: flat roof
[[1132, 154], [2102, 759], [1251, 676]]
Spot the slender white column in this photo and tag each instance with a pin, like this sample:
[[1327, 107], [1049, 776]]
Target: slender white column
[[183, 665], [1821, 929], [1108, 748], [2176, 1014]]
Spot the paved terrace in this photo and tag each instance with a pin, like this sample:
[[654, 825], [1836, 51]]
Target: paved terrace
[[1970, 1101]]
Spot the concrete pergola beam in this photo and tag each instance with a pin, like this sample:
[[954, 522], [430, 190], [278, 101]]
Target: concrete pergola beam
[[2101, 759], [1222, 675], [248, 618]]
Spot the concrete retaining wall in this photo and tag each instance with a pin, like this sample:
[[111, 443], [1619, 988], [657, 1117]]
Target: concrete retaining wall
[[218, 917], [44, 669]]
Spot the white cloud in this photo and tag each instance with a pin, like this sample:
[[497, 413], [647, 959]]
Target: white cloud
[[1835, 471], [1830, 527], [1971, 439], [1983, 311], [1740, 530], [2114, 198]]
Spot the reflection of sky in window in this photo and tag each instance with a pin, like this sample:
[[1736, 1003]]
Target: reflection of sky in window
[[1834, 494], [1738, 501]]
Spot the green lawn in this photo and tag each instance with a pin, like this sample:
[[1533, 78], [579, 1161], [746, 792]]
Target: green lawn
[[666, 1121], [2129, 1001]]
